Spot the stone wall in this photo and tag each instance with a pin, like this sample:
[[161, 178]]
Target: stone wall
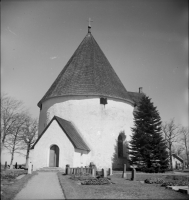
[[99, 125]]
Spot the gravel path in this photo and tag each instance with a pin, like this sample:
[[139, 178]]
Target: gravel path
[[45, 185]]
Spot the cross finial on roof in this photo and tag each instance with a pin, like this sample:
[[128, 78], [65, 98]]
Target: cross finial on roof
[[90, 20], [89, 26]]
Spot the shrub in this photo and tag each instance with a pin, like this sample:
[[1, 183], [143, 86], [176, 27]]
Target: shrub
[[156, 180], [165, 183], [96, 181], [81, 177]]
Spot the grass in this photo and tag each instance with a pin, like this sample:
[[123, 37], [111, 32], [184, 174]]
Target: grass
[[122, 189], [143, 176], [10, 186]]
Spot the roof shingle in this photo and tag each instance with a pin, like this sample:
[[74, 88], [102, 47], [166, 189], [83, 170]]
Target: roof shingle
[[88, 72]]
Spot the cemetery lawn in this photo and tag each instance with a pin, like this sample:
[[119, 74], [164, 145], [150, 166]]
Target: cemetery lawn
[[10, 186], [122, 189]]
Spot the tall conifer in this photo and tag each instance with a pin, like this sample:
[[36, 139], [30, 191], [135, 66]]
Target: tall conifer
[[147, 145]]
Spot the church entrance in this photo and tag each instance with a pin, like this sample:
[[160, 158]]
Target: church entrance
[[54, 156]]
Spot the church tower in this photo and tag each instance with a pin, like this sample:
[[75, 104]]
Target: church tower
[[93, 109]]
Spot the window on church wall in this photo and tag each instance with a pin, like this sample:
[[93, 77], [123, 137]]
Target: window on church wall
[[103, 101], [120, 146]]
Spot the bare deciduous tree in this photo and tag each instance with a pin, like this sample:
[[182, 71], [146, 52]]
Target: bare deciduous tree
[[29, 136], [10, 110], [12, 142], [171, 132], [178, 149], [184, 138], [18, 129]]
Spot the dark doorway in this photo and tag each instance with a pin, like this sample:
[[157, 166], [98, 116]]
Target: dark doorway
[[54, 156], [120, 146]]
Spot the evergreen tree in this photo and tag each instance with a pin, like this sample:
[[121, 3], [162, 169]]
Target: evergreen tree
[[147, 145]]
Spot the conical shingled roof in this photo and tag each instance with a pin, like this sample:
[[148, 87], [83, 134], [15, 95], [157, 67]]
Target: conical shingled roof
[[88, 72]]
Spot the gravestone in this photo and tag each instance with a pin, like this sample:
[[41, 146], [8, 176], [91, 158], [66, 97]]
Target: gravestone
[[133, 174], [110, 171], [93, 172], [67, 169], [124, 175], [81, 170], [104, 172], [11, 166], [16, 165], [5, 167], [92, 165]]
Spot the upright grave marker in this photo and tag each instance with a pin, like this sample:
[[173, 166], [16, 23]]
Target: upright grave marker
[[104, 172], [133, 174], [124, 175], [5, 167]]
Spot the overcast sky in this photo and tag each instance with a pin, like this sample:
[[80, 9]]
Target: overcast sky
[[146, 42]]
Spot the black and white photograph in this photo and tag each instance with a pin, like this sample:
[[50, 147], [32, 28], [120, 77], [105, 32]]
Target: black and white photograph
[[94, 99]]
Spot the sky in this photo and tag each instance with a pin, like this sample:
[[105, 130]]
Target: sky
[[146, 42]]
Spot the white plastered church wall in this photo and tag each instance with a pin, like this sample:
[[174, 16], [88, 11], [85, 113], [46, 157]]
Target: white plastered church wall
[[98, 125], [54, 135], [80, 158]]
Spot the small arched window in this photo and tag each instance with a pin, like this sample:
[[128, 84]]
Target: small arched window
[[120, 146]]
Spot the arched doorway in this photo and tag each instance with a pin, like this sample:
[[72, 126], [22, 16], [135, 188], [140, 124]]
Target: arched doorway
[[54, 156]]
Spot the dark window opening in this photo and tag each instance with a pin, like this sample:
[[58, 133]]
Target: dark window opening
[[103, 101], [41, 107], [120, 146]]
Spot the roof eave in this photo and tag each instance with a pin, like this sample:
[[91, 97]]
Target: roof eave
[[118, 98], [87, 149], [55, 118]]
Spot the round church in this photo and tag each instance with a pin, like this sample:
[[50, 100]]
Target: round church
[[86, 115]]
